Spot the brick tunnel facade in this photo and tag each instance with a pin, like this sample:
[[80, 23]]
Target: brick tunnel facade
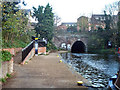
[[78, 47], [67, 43]]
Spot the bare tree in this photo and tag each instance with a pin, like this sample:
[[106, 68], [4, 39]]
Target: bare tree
[[112, 10], [57, 20]]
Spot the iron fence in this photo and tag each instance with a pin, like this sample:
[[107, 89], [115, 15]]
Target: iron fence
[[27, 50]]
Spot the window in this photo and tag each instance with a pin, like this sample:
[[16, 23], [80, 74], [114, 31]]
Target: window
[[97, 18]]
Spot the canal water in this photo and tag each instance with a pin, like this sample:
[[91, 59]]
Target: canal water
[[96, 68]]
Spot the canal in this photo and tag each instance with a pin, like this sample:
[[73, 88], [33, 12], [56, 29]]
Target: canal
[[96, 68]]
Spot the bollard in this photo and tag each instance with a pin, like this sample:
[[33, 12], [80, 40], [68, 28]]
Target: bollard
[[60, 61], [79, 83]]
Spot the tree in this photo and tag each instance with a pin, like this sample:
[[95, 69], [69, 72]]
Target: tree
[[56, 20], [111, 9], [14, 24], [38, 14], [45, 18], [107, 21], [72, 29], [118, 32]]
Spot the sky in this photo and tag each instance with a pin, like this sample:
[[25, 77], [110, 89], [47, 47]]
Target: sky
[[70, 10]]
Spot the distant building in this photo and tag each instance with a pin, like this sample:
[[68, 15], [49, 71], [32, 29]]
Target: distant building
[[69, 24], [97, 21], [83, 23], [64, 26]]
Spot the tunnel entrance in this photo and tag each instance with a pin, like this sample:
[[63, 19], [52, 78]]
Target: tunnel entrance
[[78, 47]]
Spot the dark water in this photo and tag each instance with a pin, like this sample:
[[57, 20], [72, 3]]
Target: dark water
[[94, 67]]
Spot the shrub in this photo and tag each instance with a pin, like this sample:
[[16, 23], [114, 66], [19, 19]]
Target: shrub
[[6, 56], [3, 80], [8, 75]]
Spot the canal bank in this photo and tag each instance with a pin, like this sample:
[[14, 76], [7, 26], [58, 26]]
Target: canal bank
[[44, 71]]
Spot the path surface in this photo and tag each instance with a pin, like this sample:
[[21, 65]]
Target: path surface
[[43, 72]]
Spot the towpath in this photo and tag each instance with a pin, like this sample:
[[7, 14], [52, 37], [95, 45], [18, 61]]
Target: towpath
[[44, 71]]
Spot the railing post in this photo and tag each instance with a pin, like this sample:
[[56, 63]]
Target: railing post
[[36, 46]]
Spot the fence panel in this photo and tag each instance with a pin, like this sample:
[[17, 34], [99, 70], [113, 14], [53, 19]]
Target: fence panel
[[27, 50]]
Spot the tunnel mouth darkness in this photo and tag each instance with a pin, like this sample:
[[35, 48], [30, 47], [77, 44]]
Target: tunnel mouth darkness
[[78, 47]]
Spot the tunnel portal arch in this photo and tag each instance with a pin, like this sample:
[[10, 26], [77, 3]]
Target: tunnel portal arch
[[78, 47]]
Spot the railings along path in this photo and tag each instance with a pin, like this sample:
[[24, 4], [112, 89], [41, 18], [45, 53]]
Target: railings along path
[[27, 49]]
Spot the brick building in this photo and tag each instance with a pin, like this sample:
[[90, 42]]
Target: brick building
[[83, 23], [64, 26], [97, 20]]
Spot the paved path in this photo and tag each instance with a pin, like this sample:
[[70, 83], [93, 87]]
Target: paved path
[[43, 72]]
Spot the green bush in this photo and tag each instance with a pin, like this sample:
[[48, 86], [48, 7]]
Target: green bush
[[103, 51], [8, 75], [51, 46], [3, 80], [16, 44], [6, 56]]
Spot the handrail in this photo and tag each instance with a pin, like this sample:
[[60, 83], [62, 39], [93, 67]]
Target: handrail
[[28, 45]]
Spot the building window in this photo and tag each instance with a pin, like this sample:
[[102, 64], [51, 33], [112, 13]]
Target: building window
[[97, 18]]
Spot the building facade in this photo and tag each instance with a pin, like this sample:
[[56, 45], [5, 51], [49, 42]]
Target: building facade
[[97, 21], [64, 26], [82, 23]]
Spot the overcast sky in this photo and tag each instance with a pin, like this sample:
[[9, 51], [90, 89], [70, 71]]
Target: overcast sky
[[70, 10]]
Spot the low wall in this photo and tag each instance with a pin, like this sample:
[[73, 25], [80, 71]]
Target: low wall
[[13, 51], [41, 50], [6, 67]]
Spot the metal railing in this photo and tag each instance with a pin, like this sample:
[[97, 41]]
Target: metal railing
[[27, 50]]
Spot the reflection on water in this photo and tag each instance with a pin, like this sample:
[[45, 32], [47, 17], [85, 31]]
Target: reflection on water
[[94, 67]]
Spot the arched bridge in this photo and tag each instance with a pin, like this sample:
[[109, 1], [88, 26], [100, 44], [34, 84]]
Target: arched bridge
[[67, 41]]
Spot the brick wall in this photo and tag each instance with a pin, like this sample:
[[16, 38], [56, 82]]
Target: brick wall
[[41, 50], [13, 51], [7, 67]]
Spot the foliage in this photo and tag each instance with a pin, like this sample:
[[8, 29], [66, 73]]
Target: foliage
[[118, 32], [3, 80], [6, 56], [8, 75], [107, 21], [45, 18], [103, 51], [98, 40], [72, 29], [14, 25], [51, 46], [44, 27]]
